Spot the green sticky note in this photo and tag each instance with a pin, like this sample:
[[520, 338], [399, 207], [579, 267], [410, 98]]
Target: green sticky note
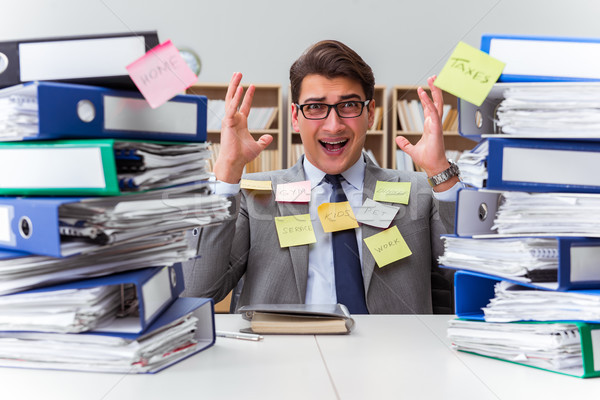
[[392, 192], [387, 246], [469, 74], [295, 230]]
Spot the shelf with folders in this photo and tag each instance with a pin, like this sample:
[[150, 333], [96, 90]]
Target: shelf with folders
[[265, 118], [407, 121], [376, 144]]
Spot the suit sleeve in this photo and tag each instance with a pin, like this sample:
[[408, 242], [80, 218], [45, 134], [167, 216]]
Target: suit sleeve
[[221, 258]]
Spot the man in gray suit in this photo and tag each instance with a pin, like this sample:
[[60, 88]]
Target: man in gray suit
[[332, 93]]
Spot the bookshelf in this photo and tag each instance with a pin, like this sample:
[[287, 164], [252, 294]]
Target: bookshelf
[[403, 97], [376, 141], [265, 118]]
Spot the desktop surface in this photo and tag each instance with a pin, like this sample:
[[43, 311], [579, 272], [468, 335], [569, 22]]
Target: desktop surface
[[385, 357]]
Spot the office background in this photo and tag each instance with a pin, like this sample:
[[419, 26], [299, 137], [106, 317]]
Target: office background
[[404, 41]]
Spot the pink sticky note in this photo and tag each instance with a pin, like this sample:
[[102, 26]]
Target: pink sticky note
[[295, 192], [161, 73]]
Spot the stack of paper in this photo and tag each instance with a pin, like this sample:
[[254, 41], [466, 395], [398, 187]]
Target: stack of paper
[[182, 330], [550, 346], [518, 303], [523, 259], [472, 165], [564, 214], [555, 110]]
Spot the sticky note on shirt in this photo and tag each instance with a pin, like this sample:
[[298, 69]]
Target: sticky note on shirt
[[255, 185], [387, 246], [295, 230], [392, 192], [294, 192], [161, 73], [337, 216], [469, 74], [376, 214]]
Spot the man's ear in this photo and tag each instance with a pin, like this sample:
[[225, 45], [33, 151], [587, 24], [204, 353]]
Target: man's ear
[[295, 118], [371, 109]]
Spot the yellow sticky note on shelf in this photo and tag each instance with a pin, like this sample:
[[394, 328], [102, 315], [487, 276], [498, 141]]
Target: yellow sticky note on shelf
[[469, 74], [295, 230], [392, 192], [337, 216], [387, 246], [255, 185]]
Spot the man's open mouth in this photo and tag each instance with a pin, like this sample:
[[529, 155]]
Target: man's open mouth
[[334, 146]]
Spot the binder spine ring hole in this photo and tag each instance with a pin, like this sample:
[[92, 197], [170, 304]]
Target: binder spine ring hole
[[173, 276], [483, 211], [86, 110], [3, 62], [478, 119], [25, 227]]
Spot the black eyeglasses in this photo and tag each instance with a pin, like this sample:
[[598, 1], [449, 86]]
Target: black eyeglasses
[[344, 109]]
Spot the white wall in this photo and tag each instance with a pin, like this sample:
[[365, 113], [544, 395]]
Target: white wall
[[404, 41]]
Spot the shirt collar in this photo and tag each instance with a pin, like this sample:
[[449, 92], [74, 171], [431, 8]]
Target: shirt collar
[[354, 175]]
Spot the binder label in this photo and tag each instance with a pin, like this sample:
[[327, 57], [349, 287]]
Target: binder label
[[595, 335], [156, 293], [128, 114], [62, 59], [584, 263], [6, 216]]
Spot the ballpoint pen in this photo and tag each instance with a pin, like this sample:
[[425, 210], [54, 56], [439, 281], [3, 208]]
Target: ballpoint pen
[[239, 335]]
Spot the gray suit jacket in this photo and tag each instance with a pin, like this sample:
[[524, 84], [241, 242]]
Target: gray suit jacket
[[249, 245]]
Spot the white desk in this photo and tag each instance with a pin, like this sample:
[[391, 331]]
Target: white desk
[[386, 357]]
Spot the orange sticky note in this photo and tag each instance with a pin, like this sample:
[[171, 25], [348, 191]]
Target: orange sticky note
[[387, 246], [161, 73], [337, 216], [294, 192], [255, 185], [295, 230]]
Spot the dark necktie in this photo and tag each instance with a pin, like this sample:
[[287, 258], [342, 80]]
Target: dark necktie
[[349, 284]]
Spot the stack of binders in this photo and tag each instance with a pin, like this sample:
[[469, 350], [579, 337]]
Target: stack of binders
[[99, 197], [526, 239]]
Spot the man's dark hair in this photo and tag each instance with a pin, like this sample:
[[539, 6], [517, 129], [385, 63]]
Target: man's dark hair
[[331, 59]]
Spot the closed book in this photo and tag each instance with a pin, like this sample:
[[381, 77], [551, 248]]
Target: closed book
[[297, 319]]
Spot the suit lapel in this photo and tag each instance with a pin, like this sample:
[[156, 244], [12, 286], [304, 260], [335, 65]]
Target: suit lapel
[[298, 254]]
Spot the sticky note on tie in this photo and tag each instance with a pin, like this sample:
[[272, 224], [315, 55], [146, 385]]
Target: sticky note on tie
[[255, 185], [387, 246], [469, 74], [392, 192], [294, 192], [376, 214], [161, 73], [336, 216], [295, 230]]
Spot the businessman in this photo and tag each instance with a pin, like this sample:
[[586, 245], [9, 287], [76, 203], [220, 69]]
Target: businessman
[[333, 107]]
